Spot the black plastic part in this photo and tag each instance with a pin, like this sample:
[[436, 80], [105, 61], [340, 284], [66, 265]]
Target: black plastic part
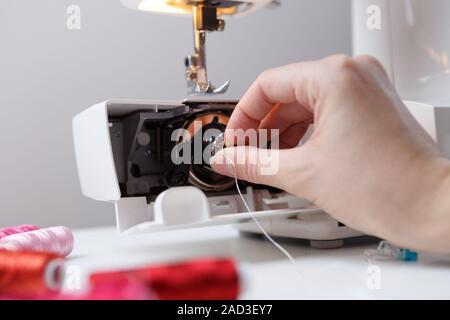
[[142, 146]]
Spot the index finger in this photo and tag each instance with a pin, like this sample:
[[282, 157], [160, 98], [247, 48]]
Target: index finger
[[289, 84]]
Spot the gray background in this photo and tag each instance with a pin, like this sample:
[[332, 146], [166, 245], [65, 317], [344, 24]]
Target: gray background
[[48, 74]]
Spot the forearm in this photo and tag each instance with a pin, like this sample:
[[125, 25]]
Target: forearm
[[440, 215]]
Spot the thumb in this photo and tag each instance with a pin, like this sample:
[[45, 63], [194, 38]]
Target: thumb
[[261, 166]]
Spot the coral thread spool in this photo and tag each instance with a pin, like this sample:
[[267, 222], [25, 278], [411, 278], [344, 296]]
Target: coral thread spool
[[28, 273], [207, 279]]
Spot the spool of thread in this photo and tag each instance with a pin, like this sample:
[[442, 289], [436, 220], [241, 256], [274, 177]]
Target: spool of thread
[[58, 240], [124, 289], [14, 230], [28, 273], [120, 289], [207, 279]]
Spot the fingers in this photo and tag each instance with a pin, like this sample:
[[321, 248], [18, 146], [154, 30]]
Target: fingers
[[283, 116], [372, 64], [261, 166], [285, 86], [287, 95], [290, 138]]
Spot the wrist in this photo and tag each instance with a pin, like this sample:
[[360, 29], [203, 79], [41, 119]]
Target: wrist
[[433, 218]]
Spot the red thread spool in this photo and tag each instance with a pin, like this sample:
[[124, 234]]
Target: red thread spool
[[26, 273], [208, 279]]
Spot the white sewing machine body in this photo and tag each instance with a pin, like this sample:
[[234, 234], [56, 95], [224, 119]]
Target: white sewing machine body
[[409, 38], [183, 206]]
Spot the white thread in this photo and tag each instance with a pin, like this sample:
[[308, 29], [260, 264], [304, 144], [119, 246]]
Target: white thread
[[276, 244]]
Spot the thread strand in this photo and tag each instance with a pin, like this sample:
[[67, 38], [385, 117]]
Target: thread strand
[[275, 243]]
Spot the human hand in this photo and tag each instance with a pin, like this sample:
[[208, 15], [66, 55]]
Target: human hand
[[368, 162]]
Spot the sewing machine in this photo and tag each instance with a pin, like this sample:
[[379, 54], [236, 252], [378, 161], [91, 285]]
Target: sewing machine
[[123, 148], [410, 38]]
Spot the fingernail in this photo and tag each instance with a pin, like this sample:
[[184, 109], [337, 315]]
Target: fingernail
[[229, 137]]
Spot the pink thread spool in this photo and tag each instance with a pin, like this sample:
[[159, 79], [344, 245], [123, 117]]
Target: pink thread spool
[[14, 230], [58, 240]]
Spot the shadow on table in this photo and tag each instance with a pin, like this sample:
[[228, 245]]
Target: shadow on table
[[247, 248]]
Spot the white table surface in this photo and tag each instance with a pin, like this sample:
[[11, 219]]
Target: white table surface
[[320, 274]]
